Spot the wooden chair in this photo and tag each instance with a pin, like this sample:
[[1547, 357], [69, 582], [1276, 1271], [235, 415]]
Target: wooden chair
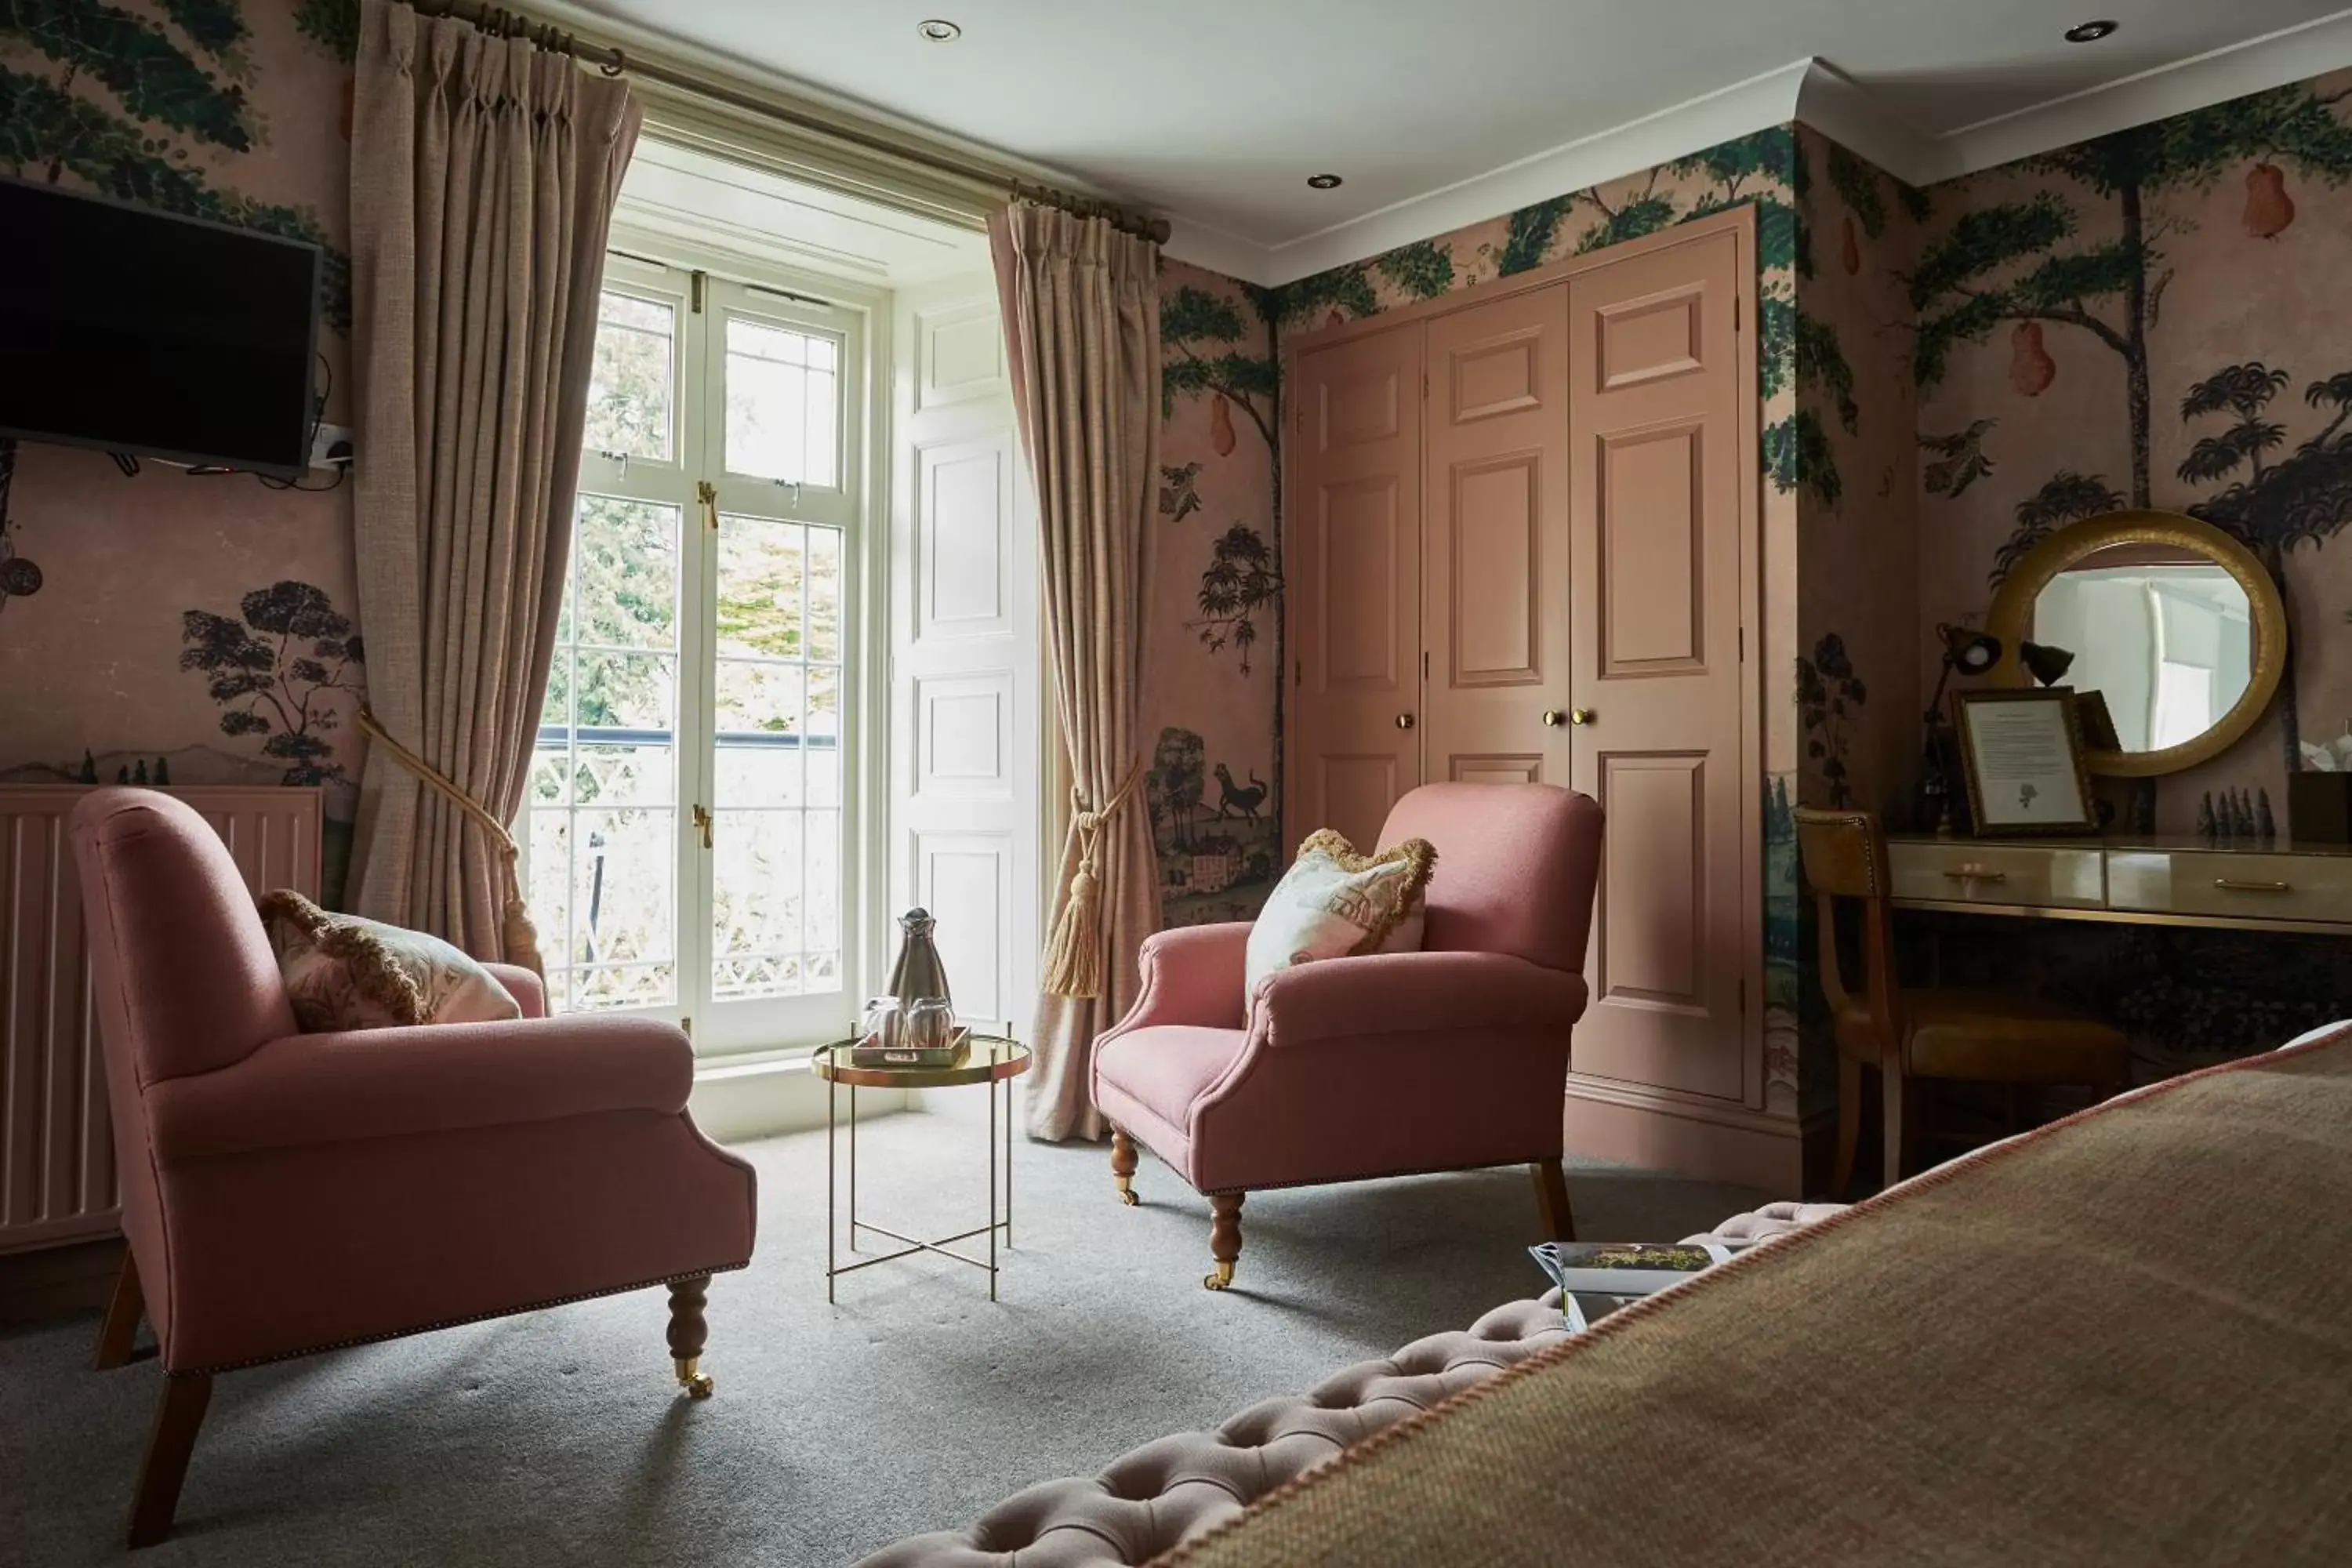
[[1984, 1036]]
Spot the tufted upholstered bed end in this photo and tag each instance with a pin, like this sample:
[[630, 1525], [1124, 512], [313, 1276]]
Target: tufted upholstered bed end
[[1171, 1490]]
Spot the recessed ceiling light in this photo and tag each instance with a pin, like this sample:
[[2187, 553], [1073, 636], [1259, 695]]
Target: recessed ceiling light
[[939, 31], [2090, 32], [1324, 182]]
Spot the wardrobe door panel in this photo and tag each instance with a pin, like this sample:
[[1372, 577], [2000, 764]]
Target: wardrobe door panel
[[1496, 548], [1354, 544], [1661, 506]]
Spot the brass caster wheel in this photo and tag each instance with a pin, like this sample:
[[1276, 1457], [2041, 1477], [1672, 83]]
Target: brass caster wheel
[[696, 1383], [1126, 1195], [1218, 1277]]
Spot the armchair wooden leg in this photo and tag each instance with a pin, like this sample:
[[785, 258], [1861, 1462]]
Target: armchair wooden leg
[[178, 1415], [1122, 1165], [1849, 1131], [1551, 1198], [1891, 1085], [688, 1330], [1224, 1237], [120, 1327]]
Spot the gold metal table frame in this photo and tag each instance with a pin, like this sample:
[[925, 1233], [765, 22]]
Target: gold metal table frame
[[993, 1060]]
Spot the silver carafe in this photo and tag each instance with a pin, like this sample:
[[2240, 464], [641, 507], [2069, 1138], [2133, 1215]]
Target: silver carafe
[[919, 975]]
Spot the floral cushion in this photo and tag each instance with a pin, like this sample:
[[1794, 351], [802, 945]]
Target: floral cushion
[[344, 972], [1335, 904]]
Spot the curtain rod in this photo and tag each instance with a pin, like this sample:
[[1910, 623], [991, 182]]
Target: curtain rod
[[505, 23]]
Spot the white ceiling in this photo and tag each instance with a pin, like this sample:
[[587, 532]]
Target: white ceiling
[[1216, 112]]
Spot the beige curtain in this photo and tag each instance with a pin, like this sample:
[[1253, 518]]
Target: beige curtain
[[1082, 321], [483, 176]]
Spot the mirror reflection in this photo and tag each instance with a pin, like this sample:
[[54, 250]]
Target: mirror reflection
[[2165, 636]]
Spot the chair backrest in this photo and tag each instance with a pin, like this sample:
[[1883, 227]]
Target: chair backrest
[[1844, 856], [185, 977], [1517, 866]]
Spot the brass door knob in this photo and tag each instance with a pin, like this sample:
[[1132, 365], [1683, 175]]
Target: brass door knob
[[1404, 720], [1583, 716], [1553, 718]]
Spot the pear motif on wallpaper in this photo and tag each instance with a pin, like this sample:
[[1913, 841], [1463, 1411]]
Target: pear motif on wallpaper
[[1220, 425], [1850, 248], [2031, 368], [2269, 209]]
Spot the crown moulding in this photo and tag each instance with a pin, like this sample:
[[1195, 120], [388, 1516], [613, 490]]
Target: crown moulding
[[1810, 91]]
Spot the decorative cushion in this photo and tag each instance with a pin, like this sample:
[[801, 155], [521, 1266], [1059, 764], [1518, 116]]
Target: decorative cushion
[[1335, 904], [344, 972]]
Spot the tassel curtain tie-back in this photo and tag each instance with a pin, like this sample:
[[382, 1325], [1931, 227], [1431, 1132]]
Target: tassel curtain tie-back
[[517, 935], [1074, 953]]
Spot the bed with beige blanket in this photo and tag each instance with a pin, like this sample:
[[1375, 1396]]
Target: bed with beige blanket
[[2124, 1339]]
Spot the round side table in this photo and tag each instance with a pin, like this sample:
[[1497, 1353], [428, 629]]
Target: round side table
[[989, 1060]]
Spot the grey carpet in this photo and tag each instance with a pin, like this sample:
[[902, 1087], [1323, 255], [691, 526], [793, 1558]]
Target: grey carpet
[[557, 1439]]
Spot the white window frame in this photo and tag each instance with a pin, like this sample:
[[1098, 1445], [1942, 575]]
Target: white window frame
[[723, 283]]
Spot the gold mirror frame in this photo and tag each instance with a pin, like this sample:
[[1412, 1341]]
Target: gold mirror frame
[[2011, 621]]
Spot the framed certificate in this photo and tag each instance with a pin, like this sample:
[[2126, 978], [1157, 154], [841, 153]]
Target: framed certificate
[[2022, 754]]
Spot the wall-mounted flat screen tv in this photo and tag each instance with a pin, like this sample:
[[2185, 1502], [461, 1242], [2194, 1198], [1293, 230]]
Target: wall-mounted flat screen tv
[[144, 333]]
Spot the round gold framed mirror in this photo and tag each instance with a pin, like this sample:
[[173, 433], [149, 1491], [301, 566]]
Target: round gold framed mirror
[[2173, 622]]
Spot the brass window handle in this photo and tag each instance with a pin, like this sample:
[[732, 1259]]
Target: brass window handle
[[2242, 885], [702, 820], [1404, 720], [1977, 874]]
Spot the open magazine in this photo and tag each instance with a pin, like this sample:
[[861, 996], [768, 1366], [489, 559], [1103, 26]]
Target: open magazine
[[1624, 1269]]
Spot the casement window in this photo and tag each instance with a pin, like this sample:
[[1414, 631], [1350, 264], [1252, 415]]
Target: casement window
[[696, 786]]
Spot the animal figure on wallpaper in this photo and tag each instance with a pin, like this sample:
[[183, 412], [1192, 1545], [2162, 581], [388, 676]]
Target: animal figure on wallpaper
[[1234, 799]]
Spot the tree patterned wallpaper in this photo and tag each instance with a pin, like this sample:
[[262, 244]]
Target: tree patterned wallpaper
[[191, 627]]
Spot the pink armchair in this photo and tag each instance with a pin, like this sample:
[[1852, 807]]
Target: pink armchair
[[1388, 1065], [286, 1192]]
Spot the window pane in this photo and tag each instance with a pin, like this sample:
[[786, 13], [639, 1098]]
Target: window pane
[[825, 594], [627, 691], [623, 776], [781, 387], [604, 783], [762, 698], [625, 569], [776, 916], [620, 886], [761, 567], [630, 386], [752, 773]]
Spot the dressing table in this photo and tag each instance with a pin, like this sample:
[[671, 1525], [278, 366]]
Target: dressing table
[[2183, 632], [2145, 880]]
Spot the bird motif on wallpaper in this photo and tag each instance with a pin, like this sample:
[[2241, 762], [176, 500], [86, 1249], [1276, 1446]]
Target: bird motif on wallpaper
[[2031, 368], [2269, 209]]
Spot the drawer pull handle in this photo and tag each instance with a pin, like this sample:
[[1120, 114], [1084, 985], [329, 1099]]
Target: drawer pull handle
[[1977, 874], [2242, 885]]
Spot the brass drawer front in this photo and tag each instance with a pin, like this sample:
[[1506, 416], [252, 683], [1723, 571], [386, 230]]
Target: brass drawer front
[[2242, 887], [1962, 873]]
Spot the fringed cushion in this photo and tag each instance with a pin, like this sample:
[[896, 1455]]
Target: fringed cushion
[[344, 972], [1335, 904]]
